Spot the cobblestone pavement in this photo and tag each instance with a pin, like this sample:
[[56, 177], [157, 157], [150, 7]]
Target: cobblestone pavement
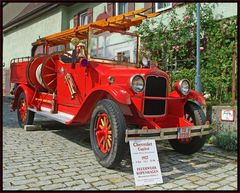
[[60, 158]]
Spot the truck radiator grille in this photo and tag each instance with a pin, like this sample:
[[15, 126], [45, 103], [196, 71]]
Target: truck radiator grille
[[155, 87]]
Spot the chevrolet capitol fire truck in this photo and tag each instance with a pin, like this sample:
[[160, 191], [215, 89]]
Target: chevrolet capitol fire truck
[[97, 78]]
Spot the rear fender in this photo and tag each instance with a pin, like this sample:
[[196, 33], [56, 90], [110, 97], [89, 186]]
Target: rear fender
[[28, 93]]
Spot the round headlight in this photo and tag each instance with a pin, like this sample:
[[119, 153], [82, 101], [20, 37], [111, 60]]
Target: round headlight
[[184, 86], [137, 83]]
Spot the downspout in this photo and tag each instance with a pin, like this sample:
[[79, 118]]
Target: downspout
[[198, 76]]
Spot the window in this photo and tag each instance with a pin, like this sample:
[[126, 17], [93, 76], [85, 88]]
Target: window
[[162, 6], [83, 18], [121, 8], [38, 50], [113, 46]]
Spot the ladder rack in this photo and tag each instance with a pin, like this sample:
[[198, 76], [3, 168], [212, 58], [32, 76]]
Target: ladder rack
[[121, 22]]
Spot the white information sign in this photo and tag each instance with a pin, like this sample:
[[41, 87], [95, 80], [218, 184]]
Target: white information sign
[[146, 167], [227, 115]]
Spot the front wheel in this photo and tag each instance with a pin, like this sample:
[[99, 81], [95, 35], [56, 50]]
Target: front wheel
[[107, 133], [194, 114], [25, 117]]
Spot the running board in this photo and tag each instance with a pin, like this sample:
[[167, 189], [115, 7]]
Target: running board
[[60, 116]]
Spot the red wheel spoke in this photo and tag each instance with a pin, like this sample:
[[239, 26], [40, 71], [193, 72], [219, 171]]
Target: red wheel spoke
[[22, 110], [109, 143], [102, 122], [53, 61], [47, 75], [190, 119], [101, 141], [50, 68], [103, 133], [51, 81]]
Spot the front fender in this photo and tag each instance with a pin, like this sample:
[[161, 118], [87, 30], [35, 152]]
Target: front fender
[[118, 93], [192, 95], [28, 93], [97, 94], [197, 97]]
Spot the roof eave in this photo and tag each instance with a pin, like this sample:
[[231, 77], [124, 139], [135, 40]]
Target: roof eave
[[28, 17]]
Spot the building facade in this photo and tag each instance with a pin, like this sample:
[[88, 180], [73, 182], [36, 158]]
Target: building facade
[[24, 23]]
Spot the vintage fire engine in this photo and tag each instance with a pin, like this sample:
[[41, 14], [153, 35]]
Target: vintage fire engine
[[98, 78]]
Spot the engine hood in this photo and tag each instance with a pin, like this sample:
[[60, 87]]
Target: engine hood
[[123, 71]]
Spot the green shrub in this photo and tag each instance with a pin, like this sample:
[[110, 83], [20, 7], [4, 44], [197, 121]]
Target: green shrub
[[212, 139], [173, 45], [226, 140]]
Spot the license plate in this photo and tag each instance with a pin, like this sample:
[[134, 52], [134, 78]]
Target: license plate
[[183, 133]]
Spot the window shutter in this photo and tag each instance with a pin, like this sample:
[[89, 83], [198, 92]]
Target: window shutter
[[76, 20], [131, 7], [110, 9], [90, 15]]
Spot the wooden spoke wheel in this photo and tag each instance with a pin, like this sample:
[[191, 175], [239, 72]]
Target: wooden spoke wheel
[[25, 116], [103, 132], [107, 133], [195, 115]]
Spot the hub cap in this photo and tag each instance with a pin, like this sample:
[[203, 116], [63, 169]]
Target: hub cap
[[23, 110], [104, 133]]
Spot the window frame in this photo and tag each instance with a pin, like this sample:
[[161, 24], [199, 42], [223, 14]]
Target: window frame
[[162, 9], [117, 6], [80, 17]]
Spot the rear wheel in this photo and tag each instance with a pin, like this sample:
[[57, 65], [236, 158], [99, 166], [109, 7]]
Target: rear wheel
[[107, 133], [194, 114], [25, 117]]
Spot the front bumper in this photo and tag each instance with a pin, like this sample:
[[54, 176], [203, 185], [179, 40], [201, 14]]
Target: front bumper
[[165, 133]]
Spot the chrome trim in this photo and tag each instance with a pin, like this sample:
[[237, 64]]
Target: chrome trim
[[144, 83], [166, 133], [180, 85], [165, 99]]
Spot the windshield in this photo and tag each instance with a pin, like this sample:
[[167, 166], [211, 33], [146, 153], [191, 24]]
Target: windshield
[[113, 46]]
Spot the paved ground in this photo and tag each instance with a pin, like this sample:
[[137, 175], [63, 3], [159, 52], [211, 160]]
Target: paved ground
[[61, 158]]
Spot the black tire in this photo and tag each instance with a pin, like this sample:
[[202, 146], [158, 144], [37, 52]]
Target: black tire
[[195, 143], [29, 114], [117, 126]]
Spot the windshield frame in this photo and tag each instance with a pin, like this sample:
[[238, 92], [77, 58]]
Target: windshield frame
[[112, 30]]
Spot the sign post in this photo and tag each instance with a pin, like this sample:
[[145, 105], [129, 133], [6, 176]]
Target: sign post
[[145, 162]]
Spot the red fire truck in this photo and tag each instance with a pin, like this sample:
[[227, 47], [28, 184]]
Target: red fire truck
[[92, 74]]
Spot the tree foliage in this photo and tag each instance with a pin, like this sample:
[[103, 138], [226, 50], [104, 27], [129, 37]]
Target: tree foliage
[[173, 45]]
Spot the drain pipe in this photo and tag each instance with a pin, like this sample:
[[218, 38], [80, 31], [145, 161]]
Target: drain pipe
[[198, 76]]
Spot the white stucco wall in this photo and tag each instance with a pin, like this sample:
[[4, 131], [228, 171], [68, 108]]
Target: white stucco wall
[[18, 42], [224, 9]]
